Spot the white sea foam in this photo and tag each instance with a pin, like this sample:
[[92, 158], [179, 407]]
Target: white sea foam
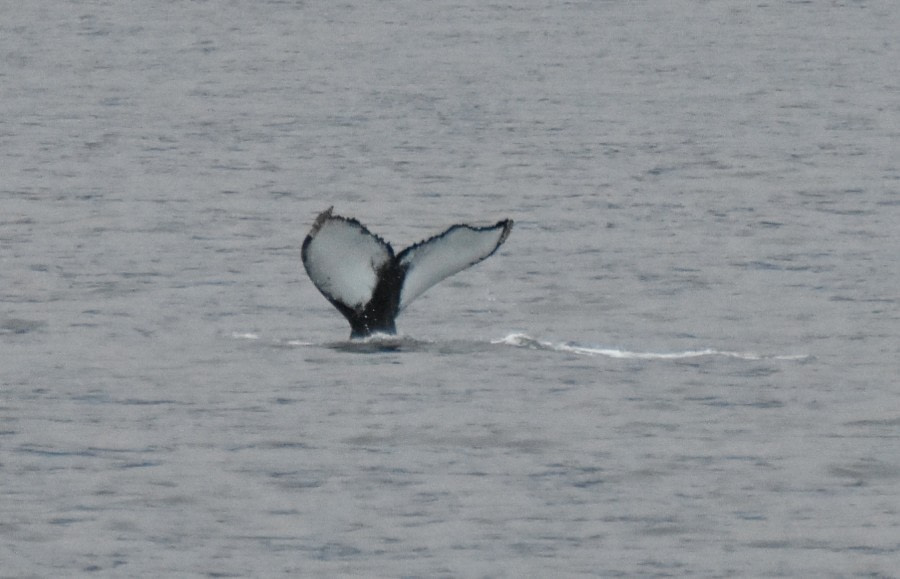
[[388, 342], [521, 340], [276, 342]]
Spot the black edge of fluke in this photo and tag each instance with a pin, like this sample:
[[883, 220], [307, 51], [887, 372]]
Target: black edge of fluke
[[370, 284]]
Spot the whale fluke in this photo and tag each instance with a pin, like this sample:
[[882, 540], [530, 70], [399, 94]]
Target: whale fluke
[[358, 272]]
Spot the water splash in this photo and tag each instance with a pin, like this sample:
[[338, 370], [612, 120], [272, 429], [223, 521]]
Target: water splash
[[244, 336], [379, 343], [252, 336], [521, 340]]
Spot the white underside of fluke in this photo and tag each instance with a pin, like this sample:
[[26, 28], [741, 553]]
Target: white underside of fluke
[[438, 258], [342, 259]]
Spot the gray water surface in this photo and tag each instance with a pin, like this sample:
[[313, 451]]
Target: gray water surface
[[683, 362]]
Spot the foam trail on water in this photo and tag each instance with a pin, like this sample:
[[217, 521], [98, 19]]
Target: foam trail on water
[[390, 342], [525, 341], [244, 336], [253, 337]]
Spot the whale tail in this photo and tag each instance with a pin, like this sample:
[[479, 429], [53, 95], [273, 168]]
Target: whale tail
[[359, 273]]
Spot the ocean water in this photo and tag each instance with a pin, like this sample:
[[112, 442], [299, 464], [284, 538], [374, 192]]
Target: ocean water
[[683, 362]]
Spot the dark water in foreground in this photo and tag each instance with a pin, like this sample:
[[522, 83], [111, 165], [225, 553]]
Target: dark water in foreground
[[682, 363]]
